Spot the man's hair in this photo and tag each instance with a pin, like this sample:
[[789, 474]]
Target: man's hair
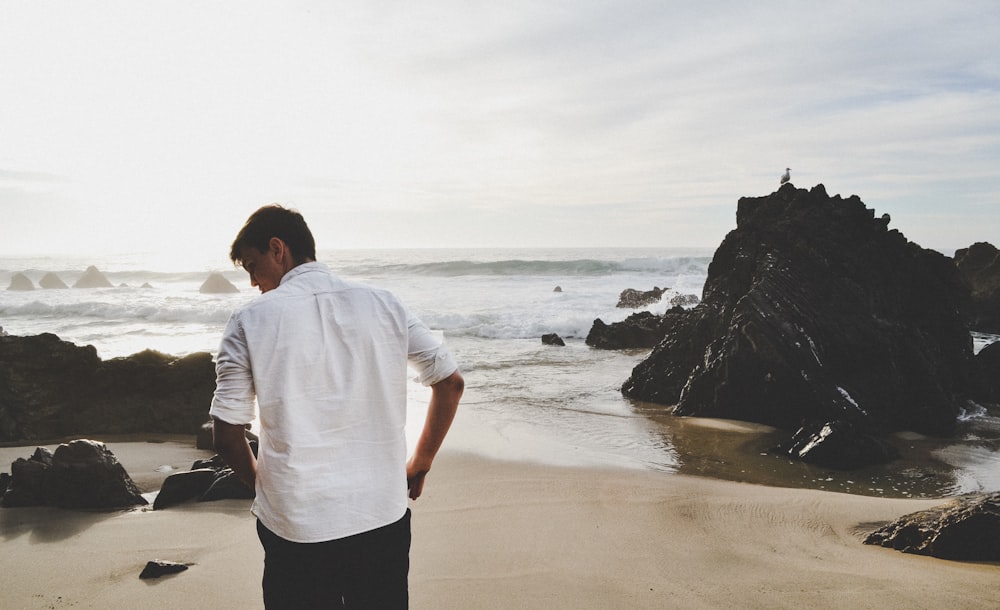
[[275, 221]]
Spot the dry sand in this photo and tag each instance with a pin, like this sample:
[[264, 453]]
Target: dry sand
[[492, 534]]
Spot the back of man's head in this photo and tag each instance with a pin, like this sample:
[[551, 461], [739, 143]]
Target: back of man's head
[[275, 221]]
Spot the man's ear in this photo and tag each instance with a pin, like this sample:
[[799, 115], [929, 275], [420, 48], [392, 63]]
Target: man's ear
[[276, 247]]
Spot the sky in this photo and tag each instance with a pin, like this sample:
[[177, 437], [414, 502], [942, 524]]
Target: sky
[[159, 126]]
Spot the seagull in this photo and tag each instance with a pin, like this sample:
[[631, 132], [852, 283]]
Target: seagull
[[786, 176]]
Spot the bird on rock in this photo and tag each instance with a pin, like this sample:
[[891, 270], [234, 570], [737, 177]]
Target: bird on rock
[[786, 176]]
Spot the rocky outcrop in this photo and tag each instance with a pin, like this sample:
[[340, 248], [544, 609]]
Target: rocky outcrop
[[51, 281], [79, 474], [979, 264], [967, 528], [639, 330], [684, 300], [19, 281], [217, 284], [93, 278], [51, 388], [813, 310], [631, 298]]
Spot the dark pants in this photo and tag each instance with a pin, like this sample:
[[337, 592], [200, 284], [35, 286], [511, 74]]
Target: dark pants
[[368, 570]]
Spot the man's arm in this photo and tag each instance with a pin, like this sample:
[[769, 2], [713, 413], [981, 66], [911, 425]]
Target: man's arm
[[445, 395], [231, 444]]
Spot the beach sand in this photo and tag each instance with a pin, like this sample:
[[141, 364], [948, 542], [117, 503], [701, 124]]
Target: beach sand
[[494, 534]]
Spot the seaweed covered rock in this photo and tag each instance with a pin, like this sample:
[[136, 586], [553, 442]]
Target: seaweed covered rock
[[814, 310]]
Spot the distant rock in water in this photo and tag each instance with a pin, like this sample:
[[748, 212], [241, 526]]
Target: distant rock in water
[[146, 285], [684, 300], [19, 281], [51, 281], [633, 299], [217, 284], [979, 264], [55, 389], [553, 339], [93, 278], [815, 311], [557, 289]]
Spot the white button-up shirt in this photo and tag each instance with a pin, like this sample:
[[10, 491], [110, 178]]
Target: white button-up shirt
[[327, 361]]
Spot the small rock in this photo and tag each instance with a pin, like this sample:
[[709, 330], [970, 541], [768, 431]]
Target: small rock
[[159, 567]]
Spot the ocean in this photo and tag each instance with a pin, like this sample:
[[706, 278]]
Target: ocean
[[524, 400]]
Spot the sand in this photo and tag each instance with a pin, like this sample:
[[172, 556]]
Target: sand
[[494, 534]]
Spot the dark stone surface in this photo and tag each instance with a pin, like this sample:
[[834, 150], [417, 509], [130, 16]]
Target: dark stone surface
[[553, 339], [633, 299], [988, 371], [966, 528], [814, 310], [979, 265], [159, 567], [838, 445], [54, 389], [81, 474], [183, 486], [640, 330]]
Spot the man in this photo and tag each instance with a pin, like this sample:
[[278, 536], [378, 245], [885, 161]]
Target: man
[[326, 361]]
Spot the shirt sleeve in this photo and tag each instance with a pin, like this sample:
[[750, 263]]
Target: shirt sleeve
[[234, 397], [426, 354]]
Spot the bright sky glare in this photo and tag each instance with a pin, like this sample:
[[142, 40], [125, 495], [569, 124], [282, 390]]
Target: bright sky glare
[[138, 126]]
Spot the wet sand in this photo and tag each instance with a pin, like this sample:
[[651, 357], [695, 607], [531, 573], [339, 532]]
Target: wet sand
[[494, 534]]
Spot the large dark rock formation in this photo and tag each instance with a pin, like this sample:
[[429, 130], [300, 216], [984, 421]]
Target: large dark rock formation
[[814, 310], [966, 528], [979, 264], [54, 389], [80, 474]]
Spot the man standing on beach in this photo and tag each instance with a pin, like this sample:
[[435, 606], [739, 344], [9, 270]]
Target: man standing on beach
[[326, 361]]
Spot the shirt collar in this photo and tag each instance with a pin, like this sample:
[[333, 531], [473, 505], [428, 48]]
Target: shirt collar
[[303, 268]]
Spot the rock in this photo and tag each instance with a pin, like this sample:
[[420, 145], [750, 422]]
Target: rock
[[639, 330], [92, 278], [184, 486], [557, 289], [812, 310], [80, 474], [159, 567], [988, 371], [979, 265], [217, 284], [967, 528], [146, 285], [51, 281], [54, 389], [553, 339], [633, 299], [227, 486], [837, 444], [20, 282]]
